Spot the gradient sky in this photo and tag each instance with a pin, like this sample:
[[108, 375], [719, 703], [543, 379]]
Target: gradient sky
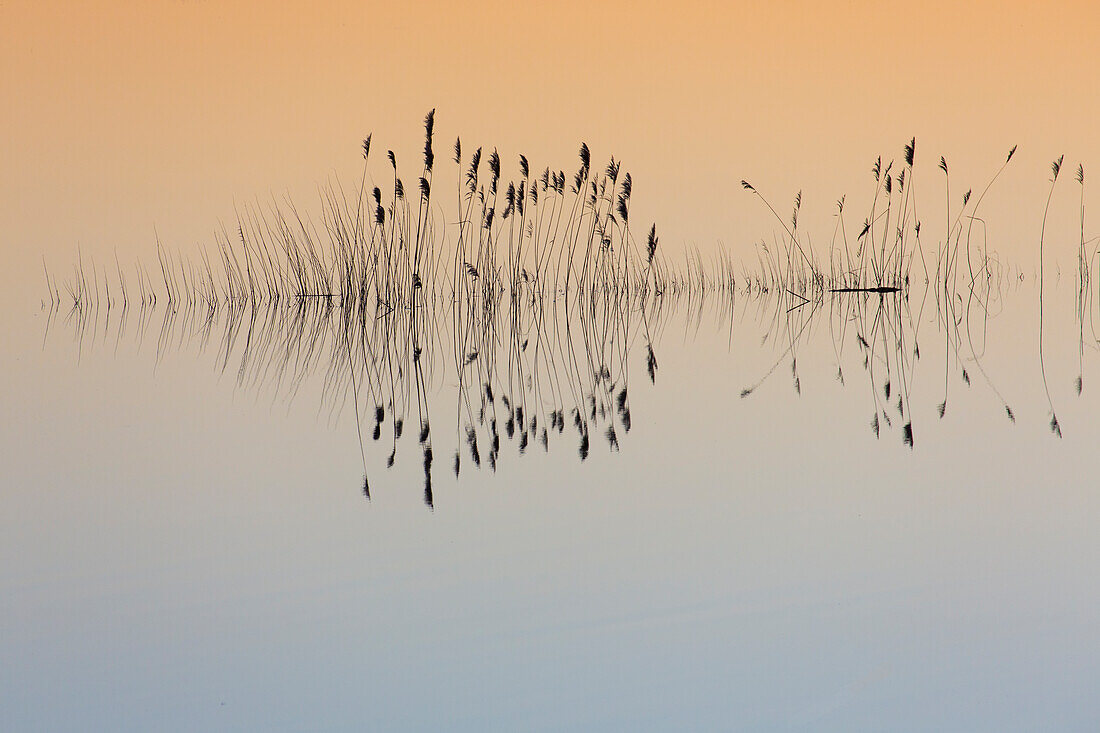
[[122, 118], [171, 544]]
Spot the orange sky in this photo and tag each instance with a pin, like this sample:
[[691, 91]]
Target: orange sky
[[121, 117]]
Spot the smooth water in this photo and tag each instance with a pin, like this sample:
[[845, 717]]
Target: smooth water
[[186, 545]]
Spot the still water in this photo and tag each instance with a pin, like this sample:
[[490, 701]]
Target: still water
[[186, 543]]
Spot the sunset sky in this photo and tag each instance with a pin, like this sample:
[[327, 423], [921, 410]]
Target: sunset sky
[[122, 119]]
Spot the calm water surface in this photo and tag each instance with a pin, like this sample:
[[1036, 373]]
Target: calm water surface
[[185, 543]]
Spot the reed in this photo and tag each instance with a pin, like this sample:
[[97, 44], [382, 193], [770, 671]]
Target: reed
[[1055, 168]]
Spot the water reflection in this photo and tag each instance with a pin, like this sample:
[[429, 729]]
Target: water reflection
[[885, 331], [532, 372], [538, 372]]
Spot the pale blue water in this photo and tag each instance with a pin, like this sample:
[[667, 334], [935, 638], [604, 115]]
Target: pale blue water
[[181, 552]]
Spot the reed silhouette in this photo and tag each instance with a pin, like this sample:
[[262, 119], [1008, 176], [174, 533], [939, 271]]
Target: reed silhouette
[[532, 297]]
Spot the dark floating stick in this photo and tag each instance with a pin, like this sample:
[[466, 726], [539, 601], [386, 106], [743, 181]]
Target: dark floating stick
[[866, 290]]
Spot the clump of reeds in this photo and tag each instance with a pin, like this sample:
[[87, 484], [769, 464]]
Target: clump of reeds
[[520, 249]]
